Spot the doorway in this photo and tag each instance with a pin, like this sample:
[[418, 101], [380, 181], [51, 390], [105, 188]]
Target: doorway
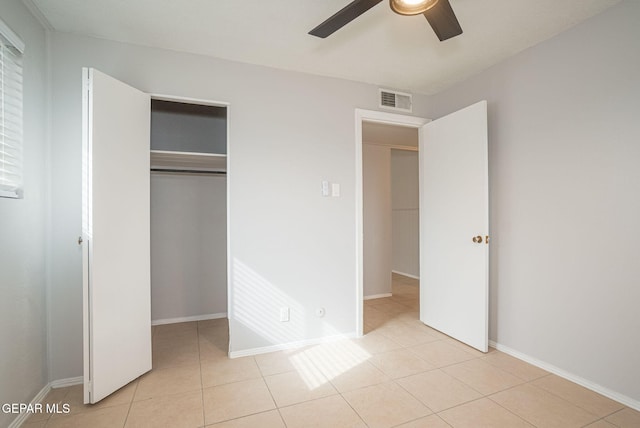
[[391, 224], [380, 122], [453, 221]]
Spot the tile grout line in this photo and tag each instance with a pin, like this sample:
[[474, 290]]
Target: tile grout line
[[562, 398], [271, 393], [131, 402], [204, 420], [571, 402], [508, 410], [517, 386], [349, 404], [48, 418], [413, 395], [523, 381]]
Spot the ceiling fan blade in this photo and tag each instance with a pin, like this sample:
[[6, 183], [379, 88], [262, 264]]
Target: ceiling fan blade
[[343, 17], [443, 20]]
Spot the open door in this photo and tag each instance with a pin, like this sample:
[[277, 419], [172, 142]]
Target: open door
[[454, 226], [116, 235]]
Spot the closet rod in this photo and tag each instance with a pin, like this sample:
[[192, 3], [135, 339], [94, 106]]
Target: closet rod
[[188, 171]]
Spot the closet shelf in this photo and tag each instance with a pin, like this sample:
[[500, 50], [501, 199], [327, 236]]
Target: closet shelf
[[188, 160]]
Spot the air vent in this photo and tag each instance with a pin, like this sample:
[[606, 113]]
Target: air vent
[[394, 100]]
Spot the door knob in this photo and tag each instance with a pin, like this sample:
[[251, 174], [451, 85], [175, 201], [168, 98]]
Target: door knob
[[477, 239]]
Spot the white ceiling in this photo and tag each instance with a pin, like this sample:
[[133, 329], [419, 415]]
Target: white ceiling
[[379, 47]]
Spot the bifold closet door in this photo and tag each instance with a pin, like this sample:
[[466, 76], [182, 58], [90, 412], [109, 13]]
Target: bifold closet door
[[454, 225], [116, 234]]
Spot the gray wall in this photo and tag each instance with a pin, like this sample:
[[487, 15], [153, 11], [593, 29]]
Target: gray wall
[[376, 213], [290, 247], [23, 314], [188, 246], [404, 212], [188, 127], [565, 198]]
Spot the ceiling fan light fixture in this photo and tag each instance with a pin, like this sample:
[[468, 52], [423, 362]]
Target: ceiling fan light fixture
[[411, 7]]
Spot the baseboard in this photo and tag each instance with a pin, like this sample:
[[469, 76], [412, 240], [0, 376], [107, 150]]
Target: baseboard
[[63, 383], [189, 319], [405, 274], [627, 401], [290, 345], [377, 296], [60, 383], [38, 398]]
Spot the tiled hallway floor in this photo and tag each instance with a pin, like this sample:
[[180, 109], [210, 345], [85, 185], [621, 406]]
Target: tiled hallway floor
[[401, 373]]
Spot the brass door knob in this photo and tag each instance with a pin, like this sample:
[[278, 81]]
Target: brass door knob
[[477, 239]]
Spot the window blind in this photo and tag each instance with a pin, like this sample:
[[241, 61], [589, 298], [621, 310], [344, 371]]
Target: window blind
[[10, 114]]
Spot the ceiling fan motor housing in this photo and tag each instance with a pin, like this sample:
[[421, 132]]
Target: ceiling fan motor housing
[[411, 7]]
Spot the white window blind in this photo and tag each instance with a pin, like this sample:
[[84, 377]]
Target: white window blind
[[11, 48]]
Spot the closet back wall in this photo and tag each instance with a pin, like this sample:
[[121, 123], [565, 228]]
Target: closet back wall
[[188, 246]]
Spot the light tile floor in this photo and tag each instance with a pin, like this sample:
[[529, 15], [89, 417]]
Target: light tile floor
[[401, 373]]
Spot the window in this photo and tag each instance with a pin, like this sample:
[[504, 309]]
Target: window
[[11, 49]]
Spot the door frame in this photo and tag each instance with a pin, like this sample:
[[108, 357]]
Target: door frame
[[375, 116]]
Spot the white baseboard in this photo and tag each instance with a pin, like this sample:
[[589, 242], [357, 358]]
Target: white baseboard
[[17, 422], [405, 274], [63, 383], [627, 401], [189, 319], [290, 345], [377, 296]]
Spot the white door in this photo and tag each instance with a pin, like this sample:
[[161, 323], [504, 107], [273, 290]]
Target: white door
[[116, 234], [454, 226]]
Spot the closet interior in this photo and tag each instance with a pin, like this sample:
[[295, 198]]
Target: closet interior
[[188, 211]]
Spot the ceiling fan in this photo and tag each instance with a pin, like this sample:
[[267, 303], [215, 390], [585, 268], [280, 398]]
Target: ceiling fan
[[439, 14]]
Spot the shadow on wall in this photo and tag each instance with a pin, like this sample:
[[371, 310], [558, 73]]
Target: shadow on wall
[[316, 364]]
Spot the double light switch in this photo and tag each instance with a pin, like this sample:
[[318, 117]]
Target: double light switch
[[330, 189]]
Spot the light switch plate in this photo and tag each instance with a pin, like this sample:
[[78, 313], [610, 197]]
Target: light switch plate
[[284, 314], [325, 188], [335, 189]]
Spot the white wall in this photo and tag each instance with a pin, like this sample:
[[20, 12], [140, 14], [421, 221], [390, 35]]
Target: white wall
[[290, 247], [23, 314], [404, 212], [376, 208], [565, 198], [188, 246]]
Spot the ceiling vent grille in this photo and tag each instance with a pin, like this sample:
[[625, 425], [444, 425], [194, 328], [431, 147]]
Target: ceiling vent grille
[[394, 100]]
